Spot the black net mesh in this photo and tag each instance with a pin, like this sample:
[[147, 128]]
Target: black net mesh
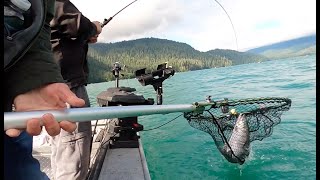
[[260, 116]]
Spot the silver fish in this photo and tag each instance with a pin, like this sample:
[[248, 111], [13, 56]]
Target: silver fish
[[239, 142]]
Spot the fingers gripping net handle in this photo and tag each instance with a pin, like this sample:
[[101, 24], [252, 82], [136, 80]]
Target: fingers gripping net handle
[[262, 114]]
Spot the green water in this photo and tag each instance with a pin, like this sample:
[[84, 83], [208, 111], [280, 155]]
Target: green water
[[177, 151]]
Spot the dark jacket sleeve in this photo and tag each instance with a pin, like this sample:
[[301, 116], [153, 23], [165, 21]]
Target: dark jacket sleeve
[[37, 67], [70, 23]]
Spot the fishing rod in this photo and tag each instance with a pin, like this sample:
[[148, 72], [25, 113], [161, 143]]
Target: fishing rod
[[106, 21]]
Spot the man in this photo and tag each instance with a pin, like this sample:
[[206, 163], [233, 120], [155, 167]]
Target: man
[[33, 82], [70, 35]]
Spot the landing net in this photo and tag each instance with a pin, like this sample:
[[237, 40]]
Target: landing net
[[262, 114]]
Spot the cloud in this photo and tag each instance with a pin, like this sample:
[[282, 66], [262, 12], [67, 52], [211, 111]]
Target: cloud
[[203, 24], [294, 18], [147, 19]]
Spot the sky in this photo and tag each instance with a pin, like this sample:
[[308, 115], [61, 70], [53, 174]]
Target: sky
[[204, 24]]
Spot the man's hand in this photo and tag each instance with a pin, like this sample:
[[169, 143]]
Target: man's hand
[[94, 39], [49, 97], [98, 25]]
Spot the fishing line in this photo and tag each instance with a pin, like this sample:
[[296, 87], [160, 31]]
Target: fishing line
[[163, 124], [234, 31], [106, 21]]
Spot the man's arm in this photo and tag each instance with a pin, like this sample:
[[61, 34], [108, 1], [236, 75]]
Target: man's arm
[[71, 23], [37, 67], [36, 78]]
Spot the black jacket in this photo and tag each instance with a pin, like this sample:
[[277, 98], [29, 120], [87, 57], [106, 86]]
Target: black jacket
[[34, 65], [70, 31]]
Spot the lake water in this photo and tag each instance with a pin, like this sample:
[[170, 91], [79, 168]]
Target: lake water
[[178, 151]]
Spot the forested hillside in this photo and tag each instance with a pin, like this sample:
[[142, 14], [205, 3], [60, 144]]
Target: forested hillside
[[305, 45], [149, 52]]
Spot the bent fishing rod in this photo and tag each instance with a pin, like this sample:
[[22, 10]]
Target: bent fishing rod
[[106, 21]]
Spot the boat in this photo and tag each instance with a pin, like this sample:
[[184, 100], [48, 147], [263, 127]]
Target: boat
[[117, 150]]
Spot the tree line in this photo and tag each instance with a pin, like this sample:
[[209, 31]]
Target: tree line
[[149, 52]]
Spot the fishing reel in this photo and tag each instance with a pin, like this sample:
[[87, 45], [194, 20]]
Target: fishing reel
[[116, 69], [155, 78], [116, 72]]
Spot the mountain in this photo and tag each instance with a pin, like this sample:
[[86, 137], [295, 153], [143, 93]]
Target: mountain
[[305, 45], [238, 57], [149, 52]]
